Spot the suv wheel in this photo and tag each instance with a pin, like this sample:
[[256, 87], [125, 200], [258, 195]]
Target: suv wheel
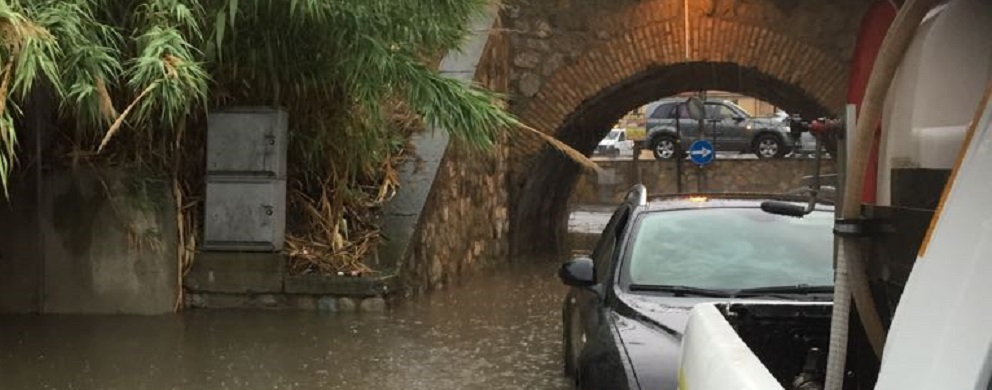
[[768, 146], [664, 147]]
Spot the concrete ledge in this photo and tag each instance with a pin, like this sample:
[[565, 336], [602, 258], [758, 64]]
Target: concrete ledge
[[230, 280], [223, 272], [341, 285], [286, 302]]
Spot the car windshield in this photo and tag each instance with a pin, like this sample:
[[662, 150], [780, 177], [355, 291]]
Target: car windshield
[[731, 248], [614, 134]]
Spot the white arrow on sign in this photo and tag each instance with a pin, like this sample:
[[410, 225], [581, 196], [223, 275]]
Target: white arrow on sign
[[703, 152]]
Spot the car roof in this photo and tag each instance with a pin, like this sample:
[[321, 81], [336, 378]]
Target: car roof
[[704, 200], [682, 99]]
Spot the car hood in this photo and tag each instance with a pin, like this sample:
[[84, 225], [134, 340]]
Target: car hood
[[651, 328], [668, 313]]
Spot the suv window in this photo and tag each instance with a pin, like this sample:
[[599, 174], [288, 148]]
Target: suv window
[[719, 111], [664, 111], [605, 251]]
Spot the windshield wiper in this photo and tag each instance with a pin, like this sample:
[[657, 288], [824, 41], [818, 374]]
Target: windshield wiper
[[792, 289], [680, 291]]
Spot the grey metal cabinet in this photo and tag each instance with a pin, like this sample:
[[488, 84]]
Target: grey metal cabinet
[[245, 215], [245, 207], [247, 142]]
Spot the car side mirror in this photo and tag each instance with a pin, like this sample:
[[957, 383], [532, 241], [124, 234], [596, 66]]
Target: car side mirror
[[580, 272], [739, 118]]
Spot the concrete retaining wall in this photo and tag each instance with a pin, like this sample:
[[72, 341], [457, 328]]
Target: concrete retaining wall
[[88, 242], [730, 175]]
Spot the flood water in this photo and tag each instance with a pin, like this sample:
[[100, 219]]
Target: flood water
[[498, 331]]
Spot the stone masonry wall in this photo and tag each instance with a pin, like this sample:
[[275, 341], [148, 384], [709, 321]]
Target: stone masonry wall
[[768, 176], [465, 223]]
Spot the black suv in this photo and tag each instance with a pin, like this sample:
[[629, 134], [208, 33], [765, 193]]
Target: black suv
[[627, 308], [728, 126]]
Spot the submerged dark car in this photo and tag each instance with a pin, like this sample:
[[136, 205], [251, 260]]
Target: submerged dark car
[[659, 256]]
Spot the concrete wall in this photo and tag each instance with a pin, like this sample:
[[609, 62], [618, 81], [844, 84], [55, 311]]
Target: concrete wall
[[731, 175], [92, 242], [21, 258]]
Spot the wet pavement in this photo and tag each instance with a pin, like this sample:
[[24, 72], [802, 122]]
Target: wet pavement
[[590, 219], [501, 330]]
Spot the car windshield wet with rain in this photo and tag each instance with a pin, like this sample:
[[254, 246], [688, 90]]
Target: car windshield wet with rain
[[730, 249]]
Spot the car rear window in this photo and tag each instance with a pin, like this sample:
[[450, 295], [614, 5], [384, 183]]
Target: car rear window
[[731, 248]]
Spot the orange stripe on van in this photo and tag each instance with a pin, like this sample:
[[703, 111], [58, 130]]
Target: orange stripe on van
[[954, 171]]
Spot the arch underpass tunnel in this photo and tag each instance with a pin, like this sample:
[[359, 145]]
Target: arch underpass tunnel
[[579, 65], [540, 216]]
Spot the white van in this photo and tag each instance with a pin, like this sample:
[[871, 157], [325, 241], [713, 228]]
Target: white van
[[615, 143]]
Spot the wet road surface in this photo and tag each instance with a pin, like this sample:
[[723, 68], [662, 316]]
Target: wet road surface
[[590, 219], [498, 331]]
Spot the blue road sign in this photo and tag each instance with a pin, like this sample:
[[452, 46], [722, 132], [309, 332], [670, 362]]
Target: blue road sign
[[701, 152]]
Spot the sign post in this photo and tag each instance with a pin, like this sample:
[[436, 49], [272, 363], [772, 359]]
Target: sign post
[[702, 154], [696, 110]]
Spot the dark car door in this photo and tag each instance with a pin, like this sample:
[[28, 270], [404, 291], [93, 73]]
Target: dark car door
[[599, 361], [724, 125], [674, 115], [688, 127]]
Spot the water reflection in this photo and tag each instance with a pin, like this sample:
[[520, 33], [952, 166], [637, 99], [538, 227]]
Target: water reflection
[[501, 330], [498, 331]]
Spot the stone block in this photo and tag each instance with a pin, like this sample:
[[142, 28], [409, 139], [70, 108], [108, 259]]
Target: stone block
[[527, 60], [304, 302], [266, 301], [373, 305], [529, 84], [346, 305], [327, 304], [223, 301]]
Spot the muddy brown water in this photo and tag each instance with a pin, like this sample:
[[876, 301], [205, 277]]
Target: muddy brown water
[[497, 331]]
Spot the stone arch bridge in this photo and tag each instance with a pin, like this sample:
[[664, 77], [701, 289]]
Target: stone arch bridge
[[572, 68], [578, 66]]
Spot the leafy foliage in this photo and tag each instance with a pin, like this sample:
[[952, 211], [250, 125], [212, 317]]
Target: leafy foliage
[[348, 72]]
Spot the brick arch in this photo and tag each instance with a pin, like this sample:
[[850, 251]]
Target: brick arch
[[663, 43], [580, 101]]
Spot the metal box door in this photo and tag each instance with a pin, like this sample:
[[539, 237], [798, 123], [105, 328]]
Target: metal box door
[[247, 142], [245, 215]]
